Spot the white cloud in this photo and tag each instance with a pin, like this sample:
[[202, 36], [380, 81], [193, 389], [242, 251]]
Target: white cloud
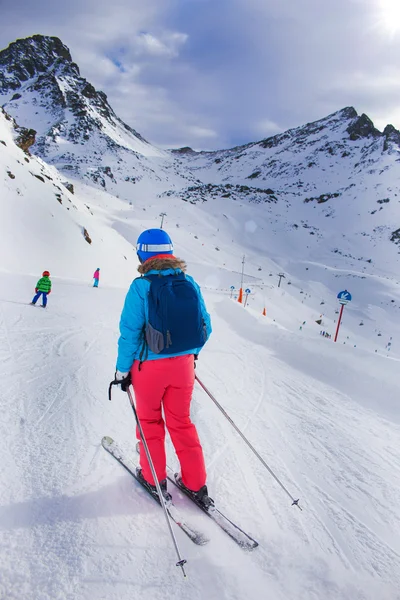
[[266, 127], [168, 45], [201, 132]]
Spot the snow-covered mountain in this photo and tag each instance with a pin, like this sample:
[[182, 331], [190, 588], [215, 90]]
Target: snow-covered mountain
[[337, 180], [301, 159], [77, 130], [318, 203], [328, 189]]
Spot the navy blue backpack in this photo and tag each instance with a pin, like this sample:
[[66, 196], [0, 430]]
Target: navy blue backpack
[[175, 320]]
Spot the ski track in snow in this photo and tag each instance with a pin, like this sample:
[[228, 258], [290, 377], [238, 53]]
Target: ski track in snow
[[73, 526]]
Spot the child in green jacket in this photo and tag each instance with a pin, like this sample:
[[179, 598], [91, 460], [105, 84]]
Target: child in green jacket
[[43, 288]]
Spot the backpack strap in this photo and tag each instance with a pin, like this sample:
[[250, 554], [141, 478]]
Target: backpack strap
[[144, 351]]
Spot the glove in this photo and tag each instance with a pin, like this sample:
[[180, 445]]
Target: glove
[[36, 290], [123, 379], [196, 358]]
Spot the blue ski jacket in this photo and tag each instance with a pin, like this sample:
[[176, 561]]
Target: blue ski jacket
[[135, 312]]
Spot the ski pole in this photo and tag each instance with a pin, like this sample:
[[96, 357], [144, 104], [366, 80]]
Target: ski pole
[[181, 561], [244, 438]]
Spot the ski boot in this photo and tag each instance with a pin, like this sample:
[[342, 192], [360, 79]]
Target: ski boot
[[201, 497], [152, 488]]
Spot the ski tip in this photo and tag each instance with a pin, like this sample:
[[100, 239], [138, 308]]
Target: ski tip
[[202, 540], [107, 441], [254, 545], [248, 545]]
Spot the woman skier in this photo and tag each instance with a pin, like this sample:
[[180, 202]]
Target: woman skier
[[43, 288], [163, 326], [96, 277]]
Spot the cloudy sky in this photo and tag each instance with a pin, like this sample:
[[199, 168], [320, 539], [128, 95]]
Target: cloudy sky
[[218, 73]]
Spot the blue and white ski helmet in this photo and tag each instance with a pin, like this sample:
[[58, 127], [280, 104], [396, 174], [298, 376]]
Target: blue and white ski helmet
[[152, 242]]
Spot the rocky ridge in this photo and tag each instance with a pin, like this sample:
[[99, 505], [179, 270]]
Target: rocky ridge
[[77, 130]]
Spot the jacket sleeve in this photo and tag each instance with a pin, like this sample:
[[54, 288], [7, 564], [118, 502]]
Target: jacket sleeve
[[205, 314], [133, 319]]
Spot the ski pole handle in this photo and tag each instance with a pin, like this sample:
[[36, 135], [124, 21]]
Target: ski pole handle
[[114, 382]]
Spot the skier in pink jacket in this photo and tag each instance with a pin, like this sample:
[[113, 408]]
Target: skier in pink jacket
[[96, 277]]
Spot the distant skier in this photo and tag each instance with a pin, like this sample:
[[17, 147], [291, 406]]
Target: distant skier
[[96, 277], [43, 288], [164, 324]]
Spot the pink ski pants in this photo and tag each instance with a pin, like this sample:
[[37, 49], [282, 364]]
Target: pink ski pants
[[167, 383]]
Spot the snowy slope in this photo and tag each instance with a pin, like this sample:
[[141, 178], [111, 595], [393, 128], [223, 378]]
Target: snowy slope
[[42, 223], [325, 416], [74, 525]]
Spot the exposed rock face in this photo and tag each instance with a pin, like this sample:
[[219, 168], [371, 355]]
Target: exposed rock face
[[185, 150], [87, 236], [30, 57], [349, 112], [395, 237], [69, 186], [25, 138], [391, 135], [6, 115], [362, 127]]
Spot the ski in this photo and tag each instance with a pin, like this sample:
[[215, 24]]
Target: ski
[[112, 448], [243, 539]]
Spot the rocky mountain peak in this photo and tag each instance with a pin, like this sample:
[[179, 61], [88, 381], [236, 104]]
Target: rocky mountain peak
[[392, 138], [392, 134], [362, 127], [76, 128], [302, 134], [32, 57], [41, 87], [349, 112]]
